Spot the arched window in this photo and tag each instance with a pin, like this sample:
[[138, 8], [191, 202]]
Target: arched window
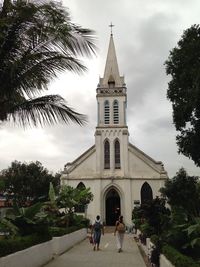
[[146, 193], [115, 112], [106, 112], [81, 207], [106, 155], [81, 186], [117, 154]]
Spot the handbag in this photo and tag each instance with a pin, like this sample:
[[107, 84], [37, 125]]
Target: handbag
[[91, 239]]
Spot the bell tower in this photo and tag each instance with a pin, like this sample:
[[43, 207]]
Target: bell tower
[[111, 136]]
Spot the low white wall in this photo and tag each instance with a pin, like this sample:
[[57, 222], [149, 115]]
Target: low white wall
[[63, 243], [146, 248], [34, 256], [164, 262], [40, 254]]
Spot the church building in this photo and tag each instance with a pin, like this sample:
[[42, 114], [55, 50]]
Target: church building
[[118, 173]]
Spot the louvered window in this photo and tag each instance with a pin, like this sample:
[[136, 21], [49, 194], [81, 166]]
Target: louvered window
[[106, 112], [115, 112]]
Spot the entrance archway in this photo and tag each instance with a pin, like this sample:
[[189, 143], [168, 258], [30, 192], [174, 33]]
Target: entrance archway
[[113, 208]]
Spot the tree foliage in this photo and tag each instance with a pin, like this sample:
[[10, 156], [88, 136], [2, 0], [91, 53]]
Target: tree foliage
[[2, 184], [183, 91], [38, 41], [25, 220], [70, 197], [183, 192], [193, 232], [28, 182], [152, 215], [183, 195]]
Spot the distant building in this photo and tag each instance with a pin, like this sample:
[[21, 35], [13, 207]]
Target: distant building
[[119, 174], [5, 204]]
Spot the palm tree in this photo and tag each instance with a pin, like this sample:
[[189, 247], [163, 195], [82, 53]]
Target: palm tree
[[37, 41]]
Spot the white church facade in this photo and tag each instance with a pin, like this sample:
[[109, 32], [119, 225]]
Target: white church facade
[[118, 173]]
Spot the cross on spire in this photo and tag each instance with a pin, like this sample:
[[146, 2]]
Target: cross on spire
[[111, 26]]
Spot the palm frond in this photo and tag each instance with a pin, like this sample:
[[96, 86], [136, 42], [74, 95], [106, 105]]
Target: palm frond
[[45, 110], [37, 41], [38, 70]]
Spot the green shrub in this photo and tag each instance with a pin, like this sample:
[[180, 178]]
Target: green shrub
[[176, 237], [58, 231], [146, 229], [155, 240], [80, 220], [9, 246], [85, 222], [178, 259]]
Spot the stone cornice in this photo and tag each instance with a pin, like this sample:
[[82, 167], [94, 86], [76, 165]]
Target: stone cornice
[[118, 178], [111, 127]]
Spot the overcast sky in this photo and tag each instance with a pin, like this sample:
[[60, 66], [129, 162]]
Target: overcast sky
[[144, 33]]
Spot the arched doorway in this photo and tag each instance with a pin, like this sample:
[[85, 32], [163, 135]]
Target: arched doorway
[[146, 193], [113, 208]]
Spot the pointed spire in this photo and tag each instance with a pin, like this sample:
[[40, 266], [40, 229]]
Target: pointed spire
[[111, 72]]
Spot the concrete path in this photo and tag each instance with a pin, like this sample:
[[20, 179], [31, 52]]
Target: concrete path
[[82, 254]]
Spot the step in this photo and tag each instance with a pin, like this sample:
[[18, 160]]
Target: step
[[109, 229]]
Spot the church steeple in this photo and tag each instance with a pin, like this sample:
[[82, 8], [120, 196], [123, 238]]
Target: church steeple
[[111, 77], [111, 93], [111, 72], [111, 136]]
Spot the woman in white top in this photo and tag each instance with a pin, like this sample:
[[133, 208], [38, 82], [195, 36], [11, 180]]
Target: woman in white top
[[119, 232]]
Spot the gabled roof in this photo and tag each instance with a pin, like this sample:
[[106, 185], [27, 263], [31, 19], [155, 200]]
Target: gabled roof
[[70, 166], [156, 165]]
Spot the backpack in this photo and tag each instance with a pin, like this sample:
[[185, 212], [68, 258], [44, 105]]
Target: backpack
[[121, 228], [97, 226]]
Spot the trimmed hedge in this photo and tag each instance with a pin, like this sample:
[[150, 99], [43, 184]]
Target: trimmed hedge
[[9, 246], [58, 231], [178, 259]]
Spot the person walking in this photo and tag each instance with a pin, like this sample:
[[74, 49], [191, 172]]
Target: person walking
[[119, 232], [97, 229]]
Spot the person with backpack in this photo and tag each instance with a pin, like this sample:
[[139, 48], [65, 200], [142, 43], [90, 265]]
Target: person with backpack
[[97, 229], [119, 232]]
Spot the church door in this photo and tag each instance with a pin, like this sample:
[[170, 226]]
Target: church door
[[112, 207]]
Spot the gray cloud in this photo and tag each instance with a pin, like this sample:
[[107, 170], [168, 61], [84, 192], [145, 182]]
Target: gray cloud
[[144, 33]]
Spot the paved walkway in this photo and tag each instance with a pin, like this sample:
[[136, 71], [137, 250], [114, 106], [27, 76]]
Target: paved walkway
[[82, 254]]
